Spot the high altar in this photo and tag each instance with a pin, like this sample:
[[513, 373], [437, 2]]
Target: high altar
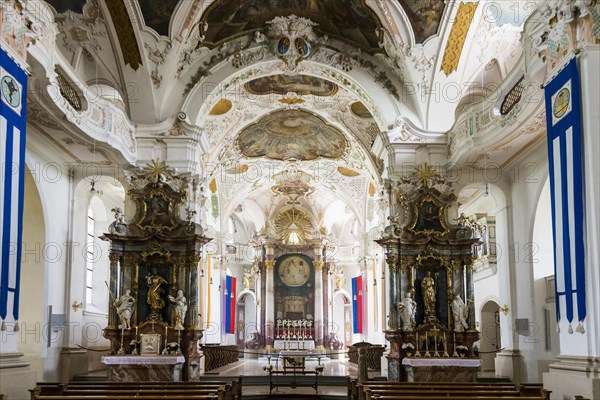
[[154, 264], [292, 284], [431, 323]]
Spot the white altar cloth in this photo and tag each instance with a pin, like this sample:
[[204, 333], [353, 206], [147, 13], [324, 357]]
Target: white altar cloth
[[294, 344], [441, 362], [142, 360]]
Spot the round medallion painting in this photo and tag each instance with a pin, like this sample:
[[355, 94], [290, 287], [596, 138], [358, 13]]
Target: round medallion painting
[[294, 271]]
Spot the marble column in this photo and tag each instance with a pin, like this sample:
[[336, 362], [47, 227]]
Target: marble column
[[114, 290], [393, 289], [319, 312], [470, 296], [269, 303]]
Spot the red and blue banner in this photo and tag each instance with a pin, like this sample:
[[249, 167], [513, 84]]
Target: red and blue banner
[[13, 89], [229, 297], [357, 304], [565, 155]]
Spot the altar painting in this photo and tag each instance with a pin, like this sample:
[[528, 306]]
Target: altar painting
[[294, 287]]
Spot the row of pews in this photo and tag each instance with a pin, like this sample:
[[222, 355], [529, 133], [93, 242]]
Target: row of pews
[[217, 388], [218, 355], [382, 390]]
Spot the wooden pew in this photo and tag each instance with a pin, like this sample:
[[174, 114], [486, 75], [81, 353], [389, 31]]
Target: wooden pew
[[125, 397], [235, 382], [223, 389], [392, 390]]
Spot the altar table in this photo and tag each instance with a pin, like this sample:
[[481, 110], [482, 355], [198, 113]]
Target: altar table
[[281, 344], [427, 369], [128, 368]]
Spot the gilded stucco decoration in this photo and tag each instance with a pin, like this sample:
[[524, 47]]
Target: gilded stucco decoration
[[458, 35], [120, 16], [291, 134], [293, 226]]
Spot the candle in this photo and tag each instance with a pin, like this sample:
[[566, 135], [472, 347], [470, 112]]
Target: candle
[[136, 332], [417, 340], [166, 333], [426, 342]]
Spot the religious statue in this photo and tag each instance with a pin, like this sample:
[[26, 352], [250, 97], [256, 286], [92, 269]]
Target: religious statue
[[248, 279], [408, 310], [340, 279], [154, 296], [428, 289], [124, 306], [459, 311], [179, 309]]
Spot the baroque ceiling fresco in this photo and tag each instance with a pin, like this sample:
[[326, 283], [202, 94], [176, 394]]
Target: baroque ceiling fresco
[[424, 16], [292, 134], [302, 85], [157, 14], [348, 20]]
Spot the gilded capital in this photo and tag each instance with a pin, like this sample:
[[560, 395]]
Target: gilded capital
[[269, 264], [318, 265], [392, 261]]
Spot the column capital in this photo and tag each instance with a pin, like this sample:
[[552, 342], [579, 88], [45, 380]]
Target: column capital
[[318, 265], [269, 264]]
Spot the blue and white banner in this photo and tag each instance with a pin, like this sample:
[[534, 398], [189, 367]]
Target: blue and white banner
[[565, 155], [13, 87]]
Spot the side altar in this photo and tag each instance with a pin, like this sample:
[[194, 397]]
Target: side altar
[[154, 270], [429, 257]]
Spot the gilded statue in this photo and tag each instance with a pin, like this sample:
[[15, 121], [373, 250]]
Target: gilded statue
[[155, 292], [248, 279], [179, 309], [428, 290]]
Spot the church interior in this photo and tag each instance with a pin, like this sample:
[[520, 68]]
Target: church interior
[[285, 193]]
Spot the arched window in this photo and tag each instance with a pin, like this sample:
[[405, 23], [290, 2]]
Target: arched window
[[95, 255], [89, 259]]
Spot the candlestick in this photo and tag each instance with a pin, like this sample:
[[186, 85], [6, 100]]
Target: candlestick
[[445, 346], [122, 350], [435, 351], [427, 345], [455, 354], [417, 354]]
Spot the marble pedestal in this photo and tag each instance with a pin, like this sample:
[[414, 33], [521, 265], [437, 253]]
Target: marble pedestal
[[441, 369], [144, 368]]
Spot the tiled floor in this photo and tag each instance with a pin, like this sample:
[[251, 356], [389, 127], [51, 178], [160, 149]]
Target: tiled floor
[[255, 367]]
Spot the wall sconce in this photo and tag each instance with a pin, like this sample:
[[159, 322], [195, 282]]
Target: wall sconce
[[504, 309], [201, 273], [76, 306], [210, 280], [219, 288]]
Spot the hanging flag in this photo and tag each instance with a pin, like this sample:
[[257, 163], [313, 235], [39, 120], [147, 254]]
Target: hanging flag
[[565, 155], [229, 296], [357, 304], [13, 89]]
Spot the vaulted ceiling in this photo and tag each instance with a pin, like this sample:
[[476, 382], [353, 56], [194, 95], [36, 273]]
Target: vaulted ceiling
[[335, 81]]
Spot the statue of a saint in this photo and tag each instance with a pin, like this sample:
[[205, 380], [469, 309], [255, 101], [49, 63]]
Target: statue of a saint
[[340, 279], [179, 309], [248, 279], [459, 312], [408, 310], [124, 306], [428, 289], [155, 292]]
